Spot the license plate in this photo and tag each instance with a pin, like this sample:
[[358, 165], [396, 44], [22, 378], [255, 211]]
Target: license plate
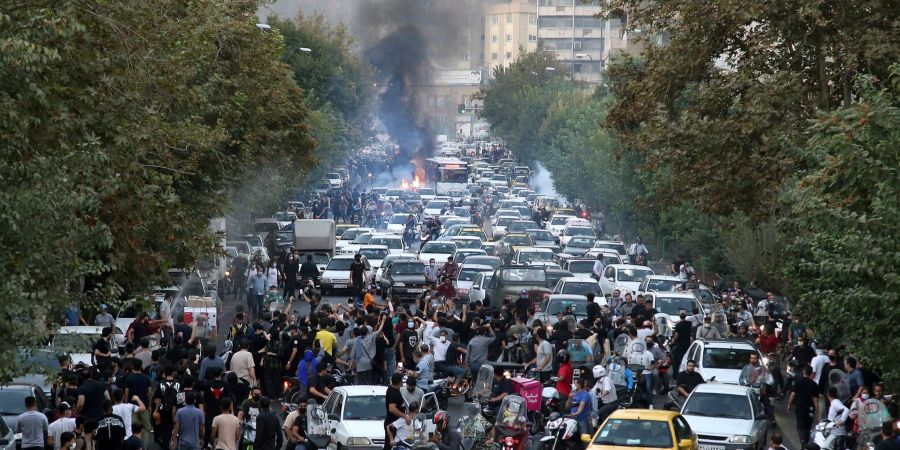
[[340, 286], [711, 447], [414, 291]]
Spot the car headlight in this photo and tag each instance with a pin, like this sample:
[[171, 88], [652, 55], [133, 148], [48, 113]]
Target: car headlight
[[739, 439], [399, 284], [358, 441]]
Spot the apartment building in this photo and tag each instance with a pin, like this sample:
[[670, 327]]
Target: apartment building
[[509, 28]]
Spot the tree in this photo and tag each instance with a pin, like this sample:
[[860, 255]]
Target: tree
[[845, 216], [124, 126]]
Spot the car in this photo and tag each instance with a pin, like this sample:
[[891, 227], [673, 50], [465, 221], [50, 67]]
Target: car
[[720, 358], [321, 259], [243, 247], [353, 247], [672, 303], [387, 260], [541, 237], [492, 261], [79, 341], [393, 242], [609, 256], [453, 220], [284, 218], [8, 438], [499, 180], [457, 195], [726, 417], [572, 231], [623, 276], [465, 277], [582, 268], [480, 283], [354, 416], [617, 246], [404, 279], [374, 254], [334, 180], [349, 235], [577, 286], [340, 228], [578, 245], [519, 226], [464, 254], [534, 256], [557, 224], [427, 194], [411, 198], [40, 367], [517, 241], [397, 223], [336, 276], [661, 283], [435, 206], [439, 250], [322, 187], [473, 232], [554, 304], [554, 274], [12, 399], [644, 429], [498, 227], [466, 242], [509, 281], [393, 195]]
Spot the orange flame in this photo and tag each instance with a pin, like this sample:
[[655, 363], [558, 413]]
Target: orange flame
[[416, 183], [404, 184]]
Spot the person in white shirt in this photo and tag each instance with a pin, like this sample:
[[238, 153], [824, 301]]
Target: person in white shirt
[[126, 410], [818, 363], [597, 270], [649, 362], [837, 414], [59, 426], [637, 249], [605, 398], [399, 429]]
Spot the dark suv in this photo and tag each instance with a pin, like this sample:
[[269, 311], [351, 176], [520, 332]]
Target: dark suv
[[403, 278], [508, 281]]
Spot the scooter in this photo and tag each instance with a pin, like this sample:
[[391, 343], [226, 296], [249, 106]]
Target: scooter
[[511, 426], [823, 437], [562, 432]]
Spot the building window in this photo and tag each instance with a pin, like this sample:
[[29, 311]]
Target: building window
[[509, 18], [508, 55], [532, 38], [508, 37], [494, 20], [494, 39], [465, 56], [532, 20], [576, 68], [493, 56]]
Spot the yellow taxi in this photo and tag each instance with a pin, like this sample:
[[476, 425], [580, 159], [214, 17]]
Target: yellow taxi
[[517, 240], [643, 428], [565, 211], [340, 228], [474, 231]]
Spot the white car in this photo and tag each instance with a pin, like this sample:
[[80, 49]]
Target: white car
[[434, 207], [609, 256], [672, 303], [577, 286], [337, 274], [354, 416], [500, 223], [353, 247], [478, 290], [427, 194], [349, 235], [623, 276], [615, 246], [79, 342], [374, 254], [393, 195], [466, 241], [723, 359], [384, 262], [393, 242], [572, 231], [466, 277], [660, 283], [397, 223], [334, 180], [534, 256], [726, 417], [557, 223], [439, 250], [457, 194]]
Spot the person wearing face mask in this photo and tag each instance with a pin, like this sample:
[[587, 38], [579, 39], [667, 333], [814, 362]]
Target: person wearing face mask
[[63, 424], [439, 346], [803, 352], [707, 331], [295, 427], [430, 273], [67, 440], [805, 397], [291, 268], [248, 413], [412, 393], [408, 342], [822, 371]]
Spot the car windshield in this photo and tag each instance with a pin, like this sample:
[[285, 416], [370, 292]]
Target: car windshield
[[437, 204], [12, 401], [374, 253], [369, 407], [579, 231], [399, 219], [579, 307], [410, 196], [585, 266], [505, 221], [580, 288], [614, 246], [318, 258], [581, 242], [528, 257], [492, 261], [523, 275], [499, 177], [389, 242], [408, 269], [285, 216], [541, 235], [467, 243], [394, 193], [363, 239], [559, 220], [468, 274], [437, 247], [520, 226], [339, 264], [519, 239], [471, 232], [634, 433], [633, 275], [673, 305], [350, 235], [425, 191], [726, 358], [662, 285], [334, 176], [75, 342], [720, 406]]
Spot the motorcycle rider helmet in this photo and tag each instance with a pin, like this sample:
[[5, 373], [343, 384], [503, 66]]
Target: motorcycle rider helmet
[[562, 356], [441, 421], [599, 371]]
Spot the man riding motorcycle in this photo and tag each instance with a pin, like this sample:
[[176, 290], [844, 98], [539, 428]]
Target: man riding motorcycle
[[309, 270]]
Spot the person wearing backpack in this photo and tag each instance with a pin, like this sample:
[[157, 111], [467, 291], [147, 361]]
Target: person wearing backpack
[[306, 371], [165, 400], [238, 329]]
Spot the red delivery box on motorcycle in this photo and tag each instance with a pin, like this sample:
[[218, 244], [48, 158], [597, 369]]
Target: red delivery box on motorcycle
[[530, 390]]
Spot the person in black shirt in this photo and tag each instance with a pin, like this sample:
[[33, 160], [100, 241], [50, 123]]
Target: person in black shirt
[[393, 405], [91, 395], [522, 304], [409, 342], [357, 277], [318, 388], [268, 430], [805, 398], [309, 270], [110, 432], [689, 379], [102, 352], [502, 387], [290, 270], [214, 389], [682, 339]]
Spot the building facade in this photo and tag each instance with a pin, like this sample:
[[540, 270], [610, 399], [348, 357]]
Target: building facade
[[509, 28], [574, 32]]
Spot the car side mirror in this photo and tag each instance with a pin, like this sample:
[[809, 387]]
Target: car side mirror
[[685, 444]]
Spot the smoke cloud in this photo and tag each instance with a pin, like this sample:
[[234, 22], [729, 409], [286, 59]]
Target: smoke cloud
[[542, 181]]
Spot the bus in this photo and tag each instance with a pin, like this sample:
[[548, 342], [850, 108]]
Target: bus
[[446, 173]]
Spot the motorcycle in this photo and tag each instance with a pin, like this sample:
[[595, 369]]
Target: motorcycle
[[417, 438], [871, 414], [823, 437], [562, 432], [472, 426], [676, 401], [761, 381], [511, 425]]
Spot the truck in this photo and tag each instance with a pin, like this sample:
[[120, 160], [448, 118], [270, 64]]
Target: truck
[[314, 236]]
